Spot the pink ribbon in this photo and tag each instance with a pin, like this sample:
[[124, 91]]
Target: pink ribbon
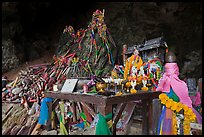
[[196, 99], [170, 79]]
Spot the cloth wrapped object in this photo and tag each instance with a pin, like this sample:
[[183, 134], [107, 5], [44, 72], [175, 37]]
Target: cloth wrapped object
[[170, 79]]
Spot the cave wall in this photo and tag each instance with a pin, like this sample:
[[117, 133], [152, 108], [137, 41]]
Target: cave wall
[[29, 29]]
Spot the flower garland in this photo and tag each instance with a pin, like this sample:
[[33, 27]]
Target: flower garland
[[174, 124], [130, 62], [176, 107]]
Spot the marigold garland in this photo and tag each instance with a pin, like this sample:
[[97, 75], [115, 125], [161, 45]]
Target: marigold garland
[[174, 124], [176, 107], [130, 62]]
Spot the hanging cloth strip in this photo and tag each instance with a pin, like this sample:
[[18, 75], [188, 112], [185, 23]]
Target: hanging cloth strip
[[165, 127], [84, 119], [102, 127], [63, 130], [44, 115], [160, 123]]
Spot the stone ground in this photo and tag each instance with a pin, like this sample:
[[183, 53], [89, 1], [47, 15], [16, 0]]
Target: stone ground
[[134, 129]]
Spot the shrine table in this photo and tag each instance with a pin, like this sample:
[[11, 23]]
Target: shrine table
[[151, 107]]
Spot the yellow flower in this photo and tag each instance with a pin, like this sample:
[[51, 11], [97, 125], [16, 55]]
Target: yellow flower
[[144, 88], [174, 124], [139, 79], [163, 97], [119, 93], [192, 118], [133, 91], [188, 112], [134, 77], [128, 84], [174, 106], [169, 103], [163, 101], [186, 120], [185, 107], [179, 107]]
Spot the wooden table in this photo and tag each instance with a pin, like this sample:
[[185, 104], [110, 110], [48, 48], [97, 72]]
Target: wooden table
[[105, 105]]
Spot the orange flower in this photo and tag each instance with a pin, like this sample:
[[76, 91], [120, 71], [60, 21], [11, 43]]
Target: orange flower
[[118, 93], [163, 97], [128, 84], [169, 103], [133, 91], [185, 107], [188, 112], [139, 79], [144, 88], [180, 106], [174, 106]]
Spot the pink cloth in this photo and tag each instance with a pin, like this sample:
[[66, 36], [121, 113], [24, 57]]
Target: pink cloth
[[196, 99], [170, 79]]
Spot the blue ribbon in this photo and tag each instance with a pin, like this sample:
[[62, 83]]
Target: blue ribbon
[[160, 119]]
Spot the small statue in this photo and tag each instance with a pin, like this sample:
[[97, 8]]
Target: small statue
[[133, 64]]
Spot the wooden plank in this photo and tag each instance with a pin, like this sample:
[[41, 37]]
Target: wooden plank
[[33, 124], [90, 110], [15, 130], [132, 97], [6, 117], [100, 100], [119, 109], [129, 109], [25, 130], [74, 112], [8, 130], [14, 102], [156, 111], [8, 110], [103, 100], [21, 130], [87, 111]]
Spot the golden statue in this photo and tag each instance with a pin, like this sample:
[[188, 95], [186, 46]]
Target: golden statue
[[133, 64]]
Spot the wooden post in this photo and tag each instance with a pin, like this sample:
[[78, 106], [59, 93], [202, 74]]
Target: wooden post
[[145, 117], [104, 110], [74, 112], [119, 110], [88, 107], [156, 111]]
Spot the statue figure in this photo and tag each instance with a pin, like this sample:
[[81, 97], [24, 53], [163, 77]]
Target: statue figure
[[133, 64], [132, 67]]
